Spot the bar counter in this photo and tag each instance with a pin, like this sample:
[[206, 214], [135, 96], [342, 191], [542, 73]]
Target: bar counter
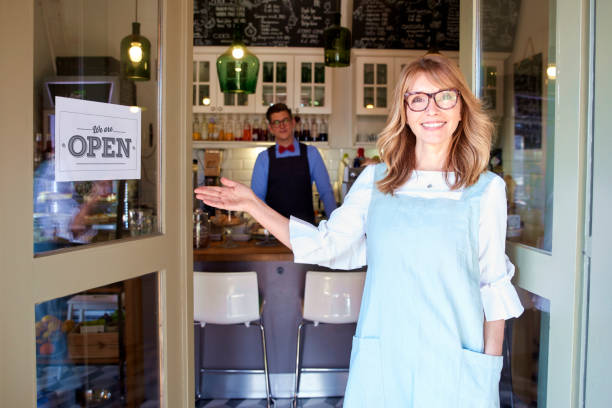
[[281, 285], [246, 251]]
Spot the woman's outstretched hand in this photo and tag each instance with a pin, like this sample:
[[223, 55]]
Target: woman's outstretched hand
[[231, 196], [238, 197]]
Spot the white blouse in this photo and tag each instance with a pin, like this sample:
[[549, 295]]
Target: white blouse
[[340, 242]]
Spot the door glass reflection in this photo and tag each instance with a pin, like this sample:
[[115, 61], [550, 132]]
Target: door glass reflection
[[517, 87], [100, 347]]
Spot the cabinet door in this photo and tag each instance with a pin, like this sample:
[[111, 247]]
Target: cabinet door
[[313, 84], [205, 84], [374, 85], [273, 83]]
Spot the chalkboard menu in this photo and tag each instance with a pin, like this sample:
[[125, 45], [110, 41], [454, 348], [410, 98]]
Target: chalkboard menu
[[281, 23], [406, 24], [498, 19], [528, 103]]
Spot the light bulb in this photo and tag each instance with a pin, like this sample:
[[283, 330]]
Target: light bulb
[[135, 52], [238, 52]]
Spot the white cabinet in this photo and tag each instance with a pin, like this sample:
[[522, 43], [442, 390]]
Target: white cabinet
[[291, 76], [374, 84], [207, 95], [275, 81], [313, 84]]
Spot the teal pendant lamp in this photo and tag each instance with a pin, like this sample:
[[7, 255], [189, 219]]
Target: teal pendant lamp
[[237, 68], [136, 54], [337, 43]]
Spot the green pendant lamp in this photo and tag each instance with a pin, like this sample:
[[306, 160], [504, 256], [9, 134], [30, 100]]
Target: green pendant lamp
[[237, 68], [136, 54], [337, 42]]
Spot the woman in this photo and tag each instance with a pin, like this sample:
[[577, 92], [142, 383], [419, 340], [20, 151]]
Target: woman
[[430, 220]]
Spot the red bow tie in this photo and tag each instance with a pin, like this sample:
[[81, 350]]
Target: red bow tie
[[282, 149]]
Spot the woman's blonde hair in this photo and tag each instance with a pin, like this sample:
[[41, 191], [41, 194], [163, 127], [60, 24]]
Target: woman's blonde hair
[[471, 142]]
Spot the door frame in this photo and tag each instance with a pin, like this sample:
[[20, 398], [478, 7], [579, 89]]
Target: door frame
[[27, 280], [558, 275]]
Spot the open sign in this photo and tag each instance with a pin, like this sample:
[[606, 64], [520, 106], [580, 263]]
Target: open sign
[[96, 141]]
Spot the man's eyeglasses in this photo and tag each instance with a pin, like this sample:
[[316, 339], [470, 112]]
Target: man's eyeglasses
[[444, 99], [277, 123]]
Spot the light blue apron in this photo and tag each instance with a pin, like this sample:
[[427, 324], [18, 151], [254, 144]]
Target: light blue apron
[[419, 339]]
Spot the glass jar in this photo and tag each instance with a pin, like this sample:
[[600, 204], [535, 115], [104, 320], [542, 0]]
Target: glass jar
[[201, 229]]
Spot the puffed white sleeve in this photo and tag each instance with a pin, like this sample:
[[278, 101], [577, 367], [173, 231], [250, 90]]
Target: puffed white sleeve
[[339, 242], [499, 297]]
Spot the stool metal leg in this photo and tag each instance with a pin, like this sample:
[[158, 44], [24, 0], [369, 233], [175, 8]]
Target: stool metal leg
[[265, 357], [297, 365]]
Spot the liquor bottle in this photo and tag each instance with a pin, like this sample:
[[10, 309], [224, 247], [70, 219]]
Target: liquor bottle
[[297, 130], [323, 136], [247, 130]]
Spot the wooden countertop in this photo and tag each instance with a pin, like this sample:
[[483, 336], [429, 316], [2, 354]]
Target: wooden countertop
[[246, 251]]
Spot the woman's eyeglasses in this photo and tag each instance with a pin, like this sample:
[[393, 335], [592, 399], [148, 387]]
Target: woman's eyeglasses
[[277, 123], [444, 99]]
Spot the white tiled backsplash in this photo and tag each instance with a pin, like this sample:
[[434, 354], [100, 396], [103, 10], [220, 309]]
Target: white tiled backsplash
[[238, 163]]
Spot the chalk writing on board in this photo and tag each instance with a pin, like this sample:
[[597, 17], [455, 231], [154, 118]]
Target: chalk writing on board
[[283, 23]]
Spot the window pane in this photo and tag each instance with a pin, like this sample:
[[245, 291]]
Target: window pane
[[319, 98], [204, 95], [243, 99], [281, 94], [306, 72], [281, 72], [305, 95], [381, 74], [268, 71], [107, 165], [85, 341], [368, 97], [204, 73], [319, 73], [518, 89], [268, 95], [381, 97], [368, 74]]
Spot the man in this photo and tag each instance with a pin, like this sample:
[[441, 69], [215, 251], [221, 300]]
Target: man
[[283, 174]]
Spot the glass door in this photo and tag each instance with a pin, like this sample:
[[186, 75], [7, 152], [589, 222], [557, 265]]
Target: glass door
[[532, 85], [96, 254]]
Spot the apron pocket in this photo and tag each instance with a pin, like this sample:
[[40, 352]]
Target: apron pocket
[[479, 385], [365, 383]]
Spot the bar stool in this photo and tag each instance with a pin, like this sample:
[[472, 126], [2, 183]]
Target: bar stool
[[230, 298], [329, 297]]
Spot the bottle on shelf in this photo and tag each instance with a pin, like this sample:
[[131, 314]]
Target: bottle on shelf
[[212, 129], [305, 134], [204, 128], [247, 130], [196, 135], [323, 136], [229, 129], [297, 130]]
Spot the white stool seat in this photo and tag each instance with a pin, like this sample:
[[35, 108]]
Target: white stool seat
[[229, 298], [225, 297], [333, 297], [329, 297]]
